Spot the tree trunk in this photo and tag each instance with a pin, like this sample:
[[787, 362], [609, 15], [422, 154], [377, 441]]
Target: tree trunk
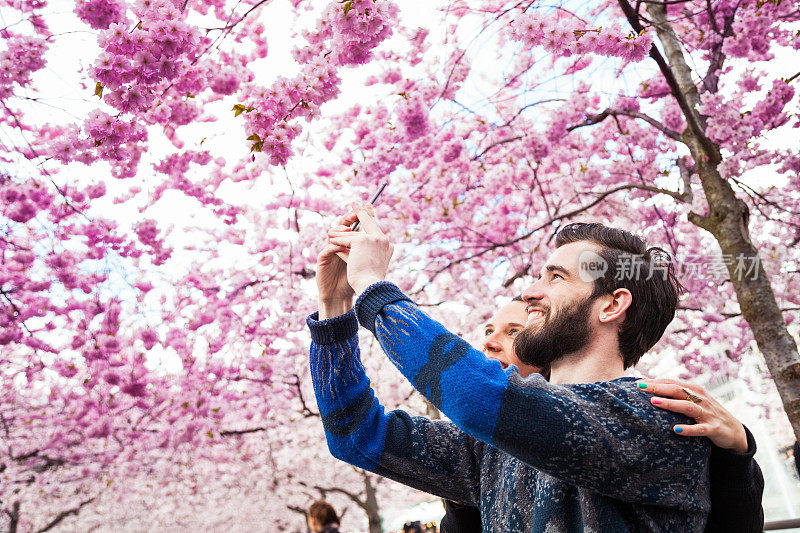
[[727, 221], [13, 516], [371, 506]]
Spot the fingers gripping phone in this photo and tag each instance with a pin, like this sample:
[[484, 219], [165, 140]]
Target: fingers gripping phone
[[373, 201]]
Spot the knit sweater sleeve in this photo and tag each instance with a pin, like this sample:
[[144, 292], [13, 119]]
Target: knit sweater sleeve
[[603, 436], [430, 455], [736, 489]]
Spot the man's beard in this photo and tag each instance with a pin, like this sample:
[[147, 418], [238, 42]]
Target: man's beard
[[566, 332]]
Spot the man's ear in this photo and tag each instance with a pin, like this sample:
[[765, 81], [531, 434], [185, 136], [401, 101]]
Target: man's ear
[[615, 307]]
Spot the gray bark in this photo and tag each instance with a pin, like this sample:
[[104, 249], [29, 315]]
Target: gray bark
[[727, 220], [371, 506]]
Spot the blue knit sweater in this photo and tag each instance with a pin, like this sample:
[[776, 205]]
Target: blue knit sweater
[[533, 456]]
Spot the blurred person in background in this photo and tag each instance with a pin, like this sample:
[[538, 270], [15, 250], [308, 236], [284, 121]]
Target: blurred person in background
[[322, 518]]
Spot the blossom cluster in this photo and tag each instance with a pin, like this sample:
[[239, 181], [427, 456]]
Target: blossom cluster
[[359, 28], [413, 117], [22, 201], [104, 137], [176, 167], [100, 14], [147, 231], [23, 56], [270, 111], [346, 35], [136, 66], [723, 112], [569, 36]]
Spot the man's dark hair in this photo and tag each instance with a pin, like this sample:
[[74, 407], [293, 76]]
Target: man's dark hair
[[649, 275], [323, 513]]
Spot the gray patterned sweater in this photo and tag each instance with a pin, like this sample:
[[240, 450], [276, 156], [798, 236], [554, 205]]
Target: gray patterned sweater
[[533, 456]]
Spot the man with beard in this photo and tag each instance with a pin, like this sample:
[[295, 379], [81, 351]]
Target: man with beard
[[585, 452], [735, 477]]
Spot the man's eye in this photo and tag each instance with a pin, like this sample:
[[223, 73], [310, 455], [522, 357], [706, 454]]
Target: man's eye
[[557, 276]]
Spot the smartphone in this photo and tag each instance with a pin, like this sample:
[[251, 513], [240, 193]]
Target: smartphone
[[373, 201]]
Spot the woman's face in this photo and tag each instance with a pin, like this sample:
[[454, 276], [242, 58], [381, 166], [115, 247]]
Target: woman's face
[[499, 333]]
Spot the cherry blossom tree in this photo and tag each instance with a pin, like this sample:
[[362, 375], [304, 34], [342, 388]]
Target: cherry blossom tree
[[140, 354]]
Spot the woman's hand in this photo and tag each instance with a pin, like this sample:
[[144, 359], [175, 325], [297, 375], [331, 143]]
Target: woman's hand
[[713, 420]]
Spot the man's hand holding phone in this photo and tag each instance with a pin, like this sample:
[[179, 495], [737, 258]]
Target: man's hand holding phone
[[369, 251]]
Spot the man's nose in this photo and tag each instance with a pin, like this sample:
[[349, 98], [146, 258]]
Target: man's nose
[[533, 293]]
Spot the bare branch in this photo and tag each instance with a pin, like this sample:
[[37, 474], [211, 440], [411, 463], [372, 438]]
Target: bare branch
[[16, 310], [602, 196], [300, 510], [689, 113], [594, 119], [354, 497], [729, 315], [64, 514], [463, 52], [523, 108], [230, 432], [522, 272], [229, 27], [306, 411], [13, 516], [495, 144]]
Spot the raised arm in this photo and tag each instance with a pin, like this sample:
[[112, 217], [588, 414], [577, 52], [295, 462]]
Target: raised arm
[[430, 455], [434, 456]]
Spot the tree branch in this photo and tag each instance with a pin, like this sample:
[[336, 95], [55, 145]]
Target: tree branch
[[463, 52], [678, 196], [16, 310], [523, 108], [229, 27], [711, 79], [300, 510], [729, 315], [658, 12], [354, 497], [594, 119], [230, 432], [307, 412], [13, 516], [495, 144], [64, 514]]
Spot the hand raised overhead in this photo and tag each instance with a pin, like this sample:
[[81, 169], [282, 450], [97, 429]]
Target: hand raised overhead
[[335, 293], [369, 250]]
